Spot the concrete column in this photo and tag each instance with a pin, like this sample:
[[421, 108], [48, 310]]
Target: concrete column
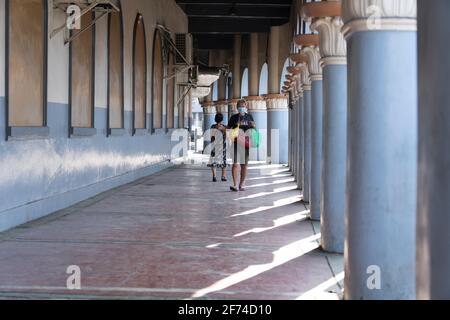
[[274, 58], [382, 149], [291, 139], [256, 104], [312, 54], [209, 113], [232, 107], [277, 105], [253, 68], [297, 94], [433, 237], [222, 88], [334, 143], [237, 67], [257, 107], [300, 141], [222, 107], [294, 141], [277, 126], [223, 81], [306, 131]]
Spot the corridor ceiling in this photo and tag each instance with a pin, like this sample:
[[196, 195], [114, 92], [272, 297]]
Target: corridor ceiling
[[214, 22]]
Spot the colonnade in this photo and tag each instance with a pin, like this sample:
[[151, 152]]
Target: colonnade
[[360, 138], [368, 127], [270, 111]]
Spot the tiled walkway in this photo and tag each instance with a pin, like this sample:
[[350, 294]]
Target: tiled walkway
[[176, 235]]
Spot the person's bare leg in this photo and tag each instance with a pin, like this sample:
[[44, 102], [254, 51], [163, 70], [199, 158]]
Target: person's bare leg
[[224, 173], [235, 173], [244, 170], [213, 170]]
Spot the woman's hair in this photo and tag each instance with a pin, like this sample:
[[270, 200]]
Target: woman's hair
[[218, 118]]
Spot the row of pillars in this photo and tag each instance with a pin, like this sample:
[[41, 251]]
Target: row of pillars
[[269, 111], [369, 141]]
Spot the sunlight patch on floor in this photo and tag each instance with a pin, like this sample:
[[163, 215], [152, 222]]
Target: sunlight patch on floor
[[320, 292], [281, 256], [283, 221]]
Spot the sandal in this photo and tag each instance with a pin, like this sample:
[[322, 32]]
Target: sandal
[[234, 189]]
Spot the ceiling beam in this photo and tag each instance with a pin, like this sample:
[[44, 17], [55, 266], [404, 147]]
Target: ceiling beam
[[242, 12], [228, 26], [211, 42], [261, 3], [238, 17]]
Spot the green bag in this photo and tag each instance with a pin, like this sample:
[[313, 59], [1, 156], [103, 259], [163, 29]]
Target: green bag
[[255, 138]]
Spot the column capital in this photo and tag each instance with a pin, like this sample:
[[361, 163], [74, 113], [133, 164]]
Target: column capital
[[233, 105], [299, 86], [298, 58], [256, 103], [222, 106], [277, 102], [313, 55], [379, 15], [304, 77], [333, 47], [294, 70], [209, 107]]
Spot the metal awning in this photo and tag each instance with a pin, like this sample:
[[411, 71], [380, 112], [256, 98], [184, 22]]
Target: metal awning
[[75, 9]]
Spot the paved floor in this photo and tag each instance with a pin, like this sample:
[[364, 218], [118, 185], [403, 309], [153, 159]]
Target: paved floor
[[176, 235]]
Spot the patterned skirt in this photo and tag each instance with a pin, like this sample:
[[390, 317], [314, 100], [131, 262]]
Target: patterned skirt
[[218, 159]]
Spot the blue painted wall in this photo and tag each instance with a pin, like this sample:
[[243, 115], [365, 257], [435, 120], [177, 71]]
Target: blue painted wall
[[38, 177]]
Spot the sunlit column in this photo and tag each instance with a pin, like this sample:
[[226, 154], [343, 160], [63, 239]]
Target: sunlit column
[[209, 113], [382, 148], [222, 107], [293, 126], [277, 127], [233, 107], [433, 238], [305, 134], [257, 107], [277, 105], [291, 139], [237, 67], [299, 134], [256, 104], [297, 93], [253, 66], [310, 49], [327, 21]]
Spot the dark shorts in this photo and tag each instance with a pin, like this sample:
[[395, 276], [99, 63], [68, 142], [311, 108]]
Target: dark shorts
[[240, 155]]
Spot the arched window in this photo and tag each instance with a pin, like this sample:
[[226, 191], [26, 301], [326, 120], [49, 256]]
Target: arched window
[[157, 81], [139, 75], [244, 83], [264, 80], [26, 63], [115, 72], [170, 101], [215, 94], [82, 83]]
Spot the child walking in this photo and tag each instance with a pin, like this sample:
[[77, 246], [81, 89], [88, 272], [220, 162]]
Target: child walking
[[218, 157]]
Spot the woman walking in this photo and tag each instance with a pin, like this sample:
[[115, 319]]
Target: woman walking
[[218, 157]]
